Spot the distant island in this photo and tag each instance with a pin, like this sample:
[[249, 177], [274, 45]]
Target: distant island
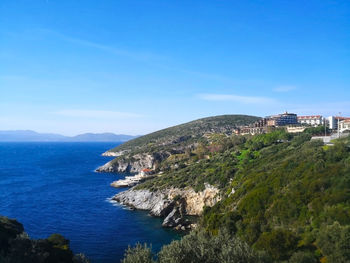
[[32, 136]]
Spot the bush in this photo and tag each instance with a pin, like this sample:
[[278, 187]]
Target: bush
[[138, 254], [59, 241], [199, 247], [303, 257], [278, 243], [202, 247], [334, 242]]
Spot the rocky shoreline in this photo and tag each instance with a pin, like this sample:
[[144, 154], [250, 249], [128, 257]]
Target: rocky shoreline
[[171, 204], [174, 204], [126, 162], [133, 164], [130, 181]]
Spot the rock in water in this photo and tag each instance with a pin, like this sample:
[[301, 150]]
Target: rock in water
[[173, 219]]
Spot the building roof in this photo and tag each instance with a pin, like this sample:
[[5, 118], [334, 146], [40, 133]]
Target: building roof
[[146, 170], [276, 116], [310, 117], [341, 118]]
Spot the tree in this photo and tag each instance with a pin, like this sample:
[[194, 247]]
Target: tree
[[205, 248], [334, 242], [138, 254]]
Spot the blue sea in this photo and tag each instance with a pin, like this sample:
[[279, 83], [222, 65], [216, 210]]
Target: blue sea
[[52, 188]]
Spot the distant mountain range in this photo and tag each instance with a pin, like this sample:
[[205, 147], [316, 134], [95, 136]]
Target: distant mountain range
[[32, 136]]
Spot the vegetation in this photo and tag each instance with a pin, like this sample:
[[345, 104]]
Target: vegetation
[[286, 196], [281, 193], [198, 247], [17, 247], [215, 171], [58, 241], [184, 134], [138, 254], [214, 161], [318, 131]]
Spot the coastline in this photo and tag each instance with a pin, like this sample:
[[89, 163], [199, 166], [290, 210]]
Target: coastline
[[172, 205], [66, 196]]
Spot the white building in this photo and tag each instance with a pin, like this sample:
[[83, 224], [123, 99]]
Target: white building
[[314, 120], [344, 125], [295, 129], [333, 121]]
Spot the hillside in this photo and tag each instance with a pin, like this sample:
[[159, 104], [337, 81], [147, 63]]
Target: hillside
[[149, 150], [185, 132], [287, 198], [280, 193]]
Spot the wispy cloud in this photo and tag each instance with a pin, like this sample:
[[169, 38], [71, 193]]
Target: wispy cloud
[[97, 114], [285, 88], [151, 58], [136, 55], [236, 98]]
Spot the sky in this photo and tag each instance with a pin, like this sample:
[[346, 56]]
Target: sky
[[133, 67]]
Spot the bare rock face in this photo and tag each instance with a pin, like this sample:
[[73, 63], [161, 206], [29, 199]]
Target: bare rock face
[[196, 201], [115, 154], [155, 202], [173, 219], [176, 217], [162, 203], [163, 208], [132, 164], [112, 167]]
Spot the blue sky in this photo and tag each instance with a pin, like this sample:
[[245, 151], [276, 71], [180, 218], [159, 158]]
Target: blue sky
[[70, 66]]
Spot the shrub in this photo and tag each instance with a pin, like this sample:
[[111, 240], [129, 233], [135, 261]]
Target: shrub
[[278, 243], [303, 257], [334, 242], [59, 241], [138, 254], [205, 248]]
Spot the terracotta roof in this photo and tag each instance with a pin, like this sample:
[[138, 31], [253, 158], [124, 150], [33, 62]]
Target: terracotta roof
[[146, 170]]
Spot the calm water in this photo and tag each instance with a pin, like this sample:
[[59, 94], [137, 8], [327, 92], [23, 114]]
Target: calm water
[[52, 188]]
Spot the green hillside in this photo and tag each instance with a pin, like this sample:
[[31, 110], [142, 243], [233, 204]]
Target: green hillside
[[289, 197], [185, 133], [282, 194]]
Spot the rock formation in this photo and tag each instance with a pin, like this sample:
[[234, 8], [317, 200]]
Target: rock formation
[[133, 164], [172, 204]]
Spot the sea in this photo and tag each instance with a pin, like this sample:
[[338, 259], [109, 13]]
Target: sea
[[53, 188]]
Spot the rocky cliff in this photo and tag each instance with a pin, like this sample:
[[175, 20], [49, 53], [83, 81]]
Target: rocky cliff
[[134, 163], [172, 204], [114, 154]]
